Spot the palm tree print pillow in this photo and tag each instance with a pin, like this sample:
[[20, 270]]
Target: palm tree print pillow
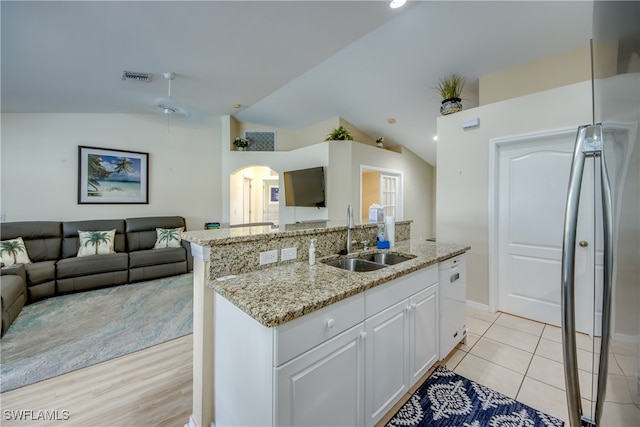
[[96, 242], [168, 238], [14, 252]]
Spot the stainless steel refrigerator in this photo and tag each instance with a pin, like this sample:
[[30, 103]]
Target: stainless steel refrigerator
[[605, 182]]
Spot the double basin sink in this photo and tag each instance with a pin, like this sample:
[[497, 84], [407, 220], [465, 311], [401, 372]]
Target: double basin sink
[[365, 263]]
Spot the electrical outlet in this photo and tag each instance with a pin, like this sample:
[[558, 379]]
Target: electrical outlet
[[288, 253], [268, 257]]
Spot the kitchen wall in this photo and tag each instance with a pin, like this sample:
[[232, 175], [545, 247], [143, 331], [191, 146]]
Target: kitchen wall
[[462, 193], [39, 178]]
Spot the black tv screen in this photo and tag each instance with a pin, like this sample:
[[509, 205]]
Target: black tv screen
[[304, 187]]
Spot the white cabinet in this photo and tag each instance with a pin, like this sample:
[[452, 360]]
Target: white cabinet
[[402, 338], [325, 386], [343, 365], [386, 366]]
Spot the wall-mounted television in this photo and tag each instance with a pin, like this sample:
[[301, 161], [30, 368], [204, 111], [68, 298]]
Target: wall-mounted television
[[304, 187]]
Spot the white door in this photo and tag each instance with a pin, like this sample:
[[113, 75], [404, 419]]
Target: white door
[[386, 370], [532, 179], [324, 386]]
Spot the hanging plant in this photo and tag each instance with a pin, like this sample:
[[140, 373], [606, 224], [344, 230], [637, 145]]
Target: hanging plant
[[339, 134]]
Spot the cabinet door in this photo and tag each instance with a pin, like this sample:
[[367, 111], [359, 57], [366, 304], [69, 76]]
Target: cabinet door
[[423, 332], [324, 386], [386, 364]]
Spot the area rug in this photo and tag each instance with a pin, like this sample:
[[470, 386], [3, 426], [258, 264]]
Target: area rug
[[70, 332], [448, 399]]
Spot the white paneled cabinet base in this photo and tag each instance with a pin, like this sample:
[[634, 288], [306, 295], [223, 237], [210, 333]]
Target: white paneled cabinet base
[[345, 364]]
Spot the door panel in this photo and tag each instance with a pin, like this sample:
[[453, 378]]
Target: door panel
[[533, 175]]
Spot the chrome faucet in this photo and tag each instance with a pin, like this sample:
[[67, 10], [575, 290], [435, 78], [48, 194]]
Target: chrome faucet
[[350, 226]]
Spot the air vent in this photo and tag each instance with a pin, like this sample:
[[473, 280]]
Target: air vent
[[138, 77]]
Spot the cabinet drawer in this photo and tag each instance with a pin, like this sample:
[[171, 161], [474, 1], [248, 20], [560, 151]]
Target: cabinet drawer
[[299, 335], [388, 294]]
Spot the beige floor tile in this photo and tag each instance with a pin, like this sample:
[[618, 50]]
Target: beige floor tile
[[552, 333], [487, 316], [502, 354], [521, 340], [550, 349], [472, 339], [477, 326], [618, 390], [628, 364], [620, 415], [545, 398], [454, 359], [552, 373], [520, 324], [624, 348], [547, 371], [490, 375]]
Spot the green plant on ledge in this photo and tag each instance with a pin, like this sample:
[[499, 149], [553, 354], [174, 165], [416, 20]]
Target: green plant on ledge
[[240, 142], [339, 134], [451, 87]]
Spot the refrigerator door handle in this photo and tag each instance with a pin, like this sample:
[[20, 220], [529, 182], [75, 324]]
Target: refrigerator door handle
[[607, 220], [568, 309]]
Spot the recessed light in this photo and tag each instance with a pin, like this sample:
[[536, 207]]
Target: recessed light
[[397, 3], [435, 137], [391, 120], [236, 106]]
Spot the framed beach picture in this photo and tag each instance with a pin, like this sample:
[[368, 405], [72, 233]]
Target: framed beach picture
[[112, 176]]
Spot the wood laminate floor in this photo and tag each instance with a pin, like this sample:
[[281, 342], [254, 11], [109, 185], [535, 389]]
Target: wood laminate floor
[[151, 387]]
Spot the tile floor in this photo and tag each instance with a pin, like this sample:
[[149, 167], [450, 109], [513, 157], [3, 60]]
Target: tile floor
[[522, 359]]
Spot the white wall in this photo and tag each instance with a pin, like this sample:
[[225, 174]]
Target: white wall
[[462, 193], [39, 178]]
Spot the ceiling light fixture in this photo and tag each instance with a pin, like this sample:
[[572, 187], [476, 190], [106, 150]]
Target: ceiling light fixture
[[391, 120], [435, 137], [397, 3]]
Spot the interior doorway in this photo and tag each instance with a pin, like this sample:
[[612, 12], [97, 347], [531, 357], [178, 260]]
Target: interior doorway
[[254, 196], [381, 187]]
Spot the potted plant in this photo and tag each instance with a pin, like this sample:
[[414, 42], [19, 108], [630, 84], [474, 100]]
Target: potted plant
[[240, 143], [379, 142], [450, 89], [339, 134]]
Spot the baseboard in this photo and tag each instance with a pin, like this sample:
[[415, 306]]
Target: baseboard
[[478, 306], [627, 339]]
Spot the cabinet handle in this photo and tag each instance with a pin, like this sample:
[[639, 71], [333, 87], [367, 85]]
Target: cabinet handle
[[363, 336], [331, 323], [409, 308]]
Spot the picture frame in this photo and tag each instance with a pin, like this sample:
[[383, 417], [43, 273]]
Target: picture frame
[[274, 194], [109, 176]]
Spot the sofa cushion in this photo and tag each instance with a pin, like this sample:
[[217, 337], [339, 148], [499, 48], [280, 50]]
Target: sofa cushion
[[15, 252], [96, 242], [40, 272], [142, 234], [88, 265], [71, 238], [156, 256], [43, 239], [168, 238]]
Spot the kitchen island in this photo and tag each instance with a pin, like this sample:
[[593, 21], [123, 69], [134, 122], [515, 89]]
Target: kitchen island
[[278, 345]]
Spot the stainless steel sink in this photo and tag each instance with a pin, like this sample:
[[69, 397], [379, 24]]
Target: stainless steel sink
[[386, 259], [355, 264]]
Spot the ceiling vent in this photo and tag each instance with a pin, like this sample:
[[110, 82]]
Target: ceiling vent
[[138, 77]]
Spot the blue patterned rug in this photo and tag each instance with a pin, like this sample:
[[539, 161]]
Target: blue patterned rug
[[447, 399], [69, 332]]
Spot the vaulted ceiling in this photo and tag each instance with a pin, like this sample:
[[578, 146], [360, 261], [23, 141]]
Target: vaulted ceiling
[[289, 64]]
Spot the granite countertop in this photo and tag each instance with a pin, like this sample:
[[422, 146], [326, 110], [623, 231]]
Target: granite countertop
[[276, 295]]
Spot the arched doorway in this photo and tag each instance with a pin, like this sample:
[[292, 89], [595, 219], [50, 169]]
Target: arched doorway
[[254, 196]]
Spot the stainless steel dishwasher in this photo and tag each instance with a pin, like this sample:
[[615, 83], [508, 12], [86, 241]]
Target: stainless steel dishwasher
[[453, 300]]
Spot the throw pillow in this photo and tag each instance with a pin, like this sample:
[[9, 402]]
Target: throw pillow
[[168, 238], [14, 252], [96, 242]]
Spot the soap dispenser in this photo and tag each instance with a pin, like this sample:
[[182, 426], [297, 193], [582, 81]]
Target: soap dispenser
[[312, 252]]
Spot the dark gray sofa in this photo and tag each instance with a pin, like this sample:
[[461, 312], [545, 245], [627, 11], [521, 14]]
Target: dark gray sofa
[[13, 287], [55, 268]]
